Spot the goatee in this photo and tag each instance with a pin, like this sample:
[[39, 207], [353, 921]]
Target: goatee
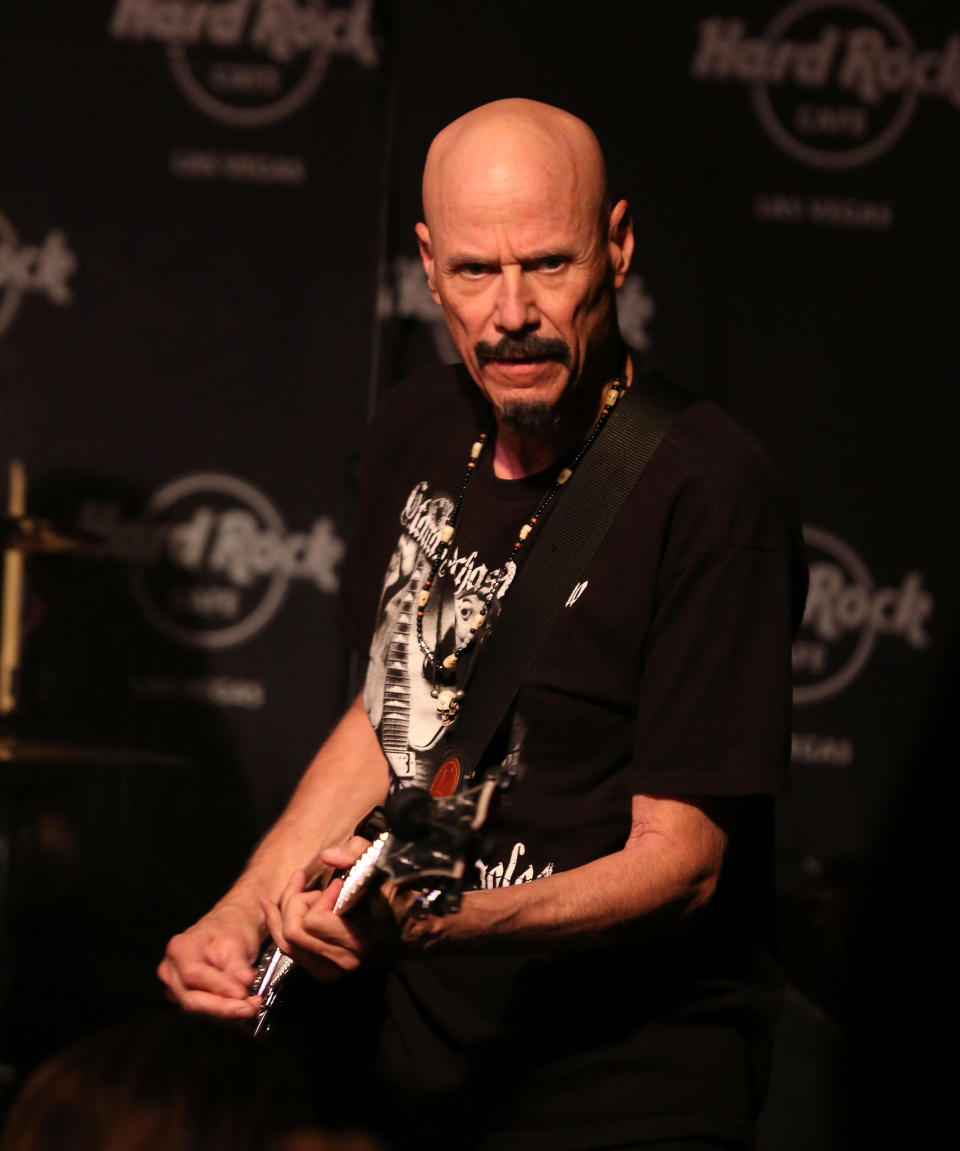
[[534, 416]]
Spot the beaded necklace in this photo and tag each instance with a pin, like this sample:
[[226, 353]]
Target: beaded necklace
[[448, 697]]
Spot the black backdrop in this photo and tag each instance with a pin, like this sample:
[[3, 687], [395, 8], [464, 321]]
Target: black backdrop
[[207, 271]]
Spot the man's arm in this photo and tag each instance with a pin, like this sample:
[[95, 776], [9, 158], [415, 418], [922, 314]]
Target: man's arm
[[666, 870], [209, 966]]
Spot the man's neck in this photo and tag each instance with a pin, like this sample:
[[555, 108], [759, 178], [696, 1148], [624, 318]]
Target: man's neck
[[520, 453]]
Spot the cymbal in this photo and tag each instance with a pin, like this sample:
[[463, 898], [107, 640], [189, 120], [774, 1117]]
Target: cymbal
[[25, 749], [29, 534]]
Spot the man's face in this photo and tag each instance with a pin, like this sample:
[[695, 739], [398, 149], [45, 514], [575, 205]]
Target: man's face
[[525, 270]]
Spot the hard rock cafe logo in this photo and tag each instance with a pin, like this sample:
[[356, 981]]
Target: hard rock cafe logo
[[211, 558], [846, 612], [834, 85], [43, 268], [249, 62]]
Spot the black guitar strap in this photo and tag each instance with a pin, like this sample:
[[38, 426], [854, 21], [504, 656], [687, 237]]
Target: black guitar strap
[[560, 554]]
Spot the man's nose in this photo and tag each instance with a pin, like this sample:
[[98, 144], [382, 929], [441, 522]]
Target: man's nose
[[516, 309]]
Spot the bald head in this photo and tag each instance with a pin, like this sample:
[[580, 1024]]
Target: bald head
[[498, 145], [524, 253]]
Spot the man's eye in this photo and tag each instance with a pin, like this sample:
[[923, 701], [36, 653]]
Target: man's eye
[[473, 271], [552, 263]]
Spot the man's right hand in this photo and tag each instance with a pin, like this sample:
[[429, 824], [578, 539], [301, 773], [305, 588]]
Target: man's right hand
[[209, 967]]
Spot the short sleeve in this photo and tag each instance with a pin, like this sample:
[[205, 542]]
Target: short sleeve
[[713, 713]]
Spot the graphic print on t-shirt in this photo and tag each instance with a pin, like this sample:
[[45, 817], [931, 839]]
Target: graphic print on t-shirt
[[396, 693], [509, 872]]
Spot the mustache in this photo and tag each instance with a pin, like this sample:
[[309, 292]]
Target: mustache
[[530, 347]]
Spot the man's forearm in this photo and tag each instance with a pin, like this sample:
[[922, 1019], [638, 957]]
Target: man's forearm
[[347, 777], [651, 887]]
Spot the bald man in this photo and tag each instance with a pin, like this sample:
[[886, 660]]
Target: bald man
[[606, 981]]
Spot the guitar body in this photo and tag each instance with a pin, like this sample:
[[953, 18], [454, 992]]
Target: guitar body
[[425, 855], [274, 965], [330, 1033]]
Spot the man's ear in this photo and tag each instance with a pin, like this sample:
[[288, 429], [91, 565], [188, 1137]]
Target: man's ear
[[620, 242], [426, 255]]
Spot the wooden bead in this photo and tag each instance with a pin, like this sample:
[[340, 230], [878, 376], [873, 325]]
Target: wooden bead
[[612, 396], [450, 661], [476, 450], [477, 621], [525, 531], [564, 476], [424, 596], [446, 533]]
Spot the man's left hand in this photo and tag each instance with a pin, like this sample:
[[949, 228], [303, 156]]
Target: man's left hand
[[304, 926]]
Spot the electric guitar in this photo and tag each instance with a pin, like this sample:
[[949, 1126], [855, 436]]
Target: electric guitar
[[425, 853]]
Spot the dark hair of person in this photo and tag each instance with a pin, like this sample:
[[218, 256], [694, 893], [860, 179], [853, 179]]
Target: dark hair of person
[[162, 1082]]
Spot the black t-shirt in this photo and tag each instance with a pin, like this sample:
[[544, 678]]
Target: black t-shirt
[[667, 673]]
